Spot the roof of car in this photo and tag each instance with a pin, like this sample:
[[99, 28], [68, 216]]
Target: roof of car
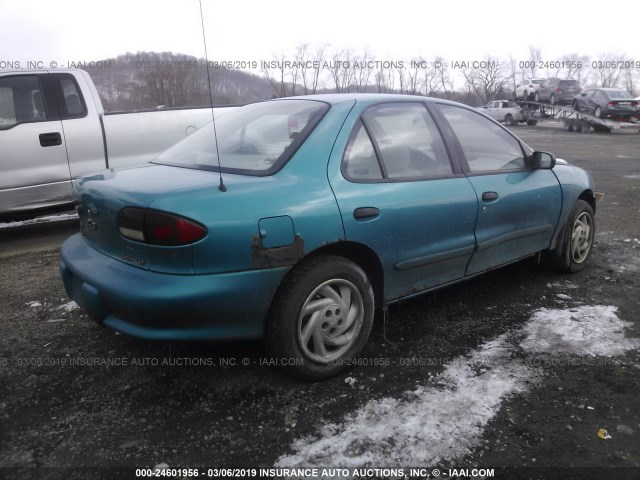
[[335, 98]]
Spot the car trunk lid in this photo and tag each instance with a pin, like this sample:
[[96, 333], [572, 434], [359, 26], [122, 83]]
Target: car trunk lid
[[101, 197]]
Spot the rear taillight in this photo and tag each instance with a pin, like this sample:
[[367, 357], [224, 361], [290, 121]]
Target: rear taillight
[[158, 228], [558, 89], [634, 104], [613, 104]]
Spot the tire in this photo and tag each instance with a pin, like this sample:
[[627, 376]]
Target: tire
[[585, 126], [508, 120], [525, 96], [598, 112], [339, 294], [575, 106], [552, 99], [568, 125], [576, 240], [532, 122], [577, 125], [536, 97]]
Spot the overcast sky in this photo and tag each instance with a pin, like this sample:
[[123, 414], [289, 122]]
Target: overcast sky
[[70, 30]]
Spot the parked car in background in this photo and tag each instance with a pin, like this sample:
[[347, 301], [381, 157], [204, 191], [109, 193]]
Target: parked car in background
[[606, 102], [332, 206], [558, 91], [527, 89], [506, 111], [53, 129]]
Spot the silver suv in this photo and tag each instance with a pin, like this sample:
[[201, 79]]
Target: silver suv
[[558, 91]]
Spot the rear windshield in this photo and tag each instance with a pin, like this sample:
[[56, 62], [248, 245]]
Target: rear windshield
[[568, 83], [617, 94], [253, 140]]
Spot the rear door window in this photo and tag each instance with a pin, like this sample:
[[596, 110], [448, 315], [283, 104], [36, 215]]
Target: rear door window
[[407, 140], [21, 101], [71, 103]]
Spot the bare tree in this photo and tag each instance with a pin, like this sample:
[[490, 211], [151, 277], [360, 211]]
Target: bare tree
[[276, 73], [607, 70], [487, 78], [363, 72], [535, 56]]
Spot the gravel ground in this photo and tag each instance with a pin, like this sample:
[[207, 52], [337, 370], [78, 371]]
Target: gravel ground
[[80, 396]]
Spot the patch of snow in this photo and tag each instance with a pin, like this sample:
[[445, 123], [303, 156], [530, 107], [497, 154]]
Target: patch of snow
[[563, 296], [445, 419], [585, 330], [429, 424], [47, 219], [350, 381], [34, 304], [69, 307]]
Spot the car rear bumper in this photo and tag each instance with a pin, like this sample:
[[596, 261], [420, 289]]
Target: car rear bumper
[[162, 306]]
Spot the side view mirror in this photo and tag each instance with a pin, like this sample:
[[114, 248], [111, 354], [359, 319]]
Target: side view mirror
[[543, 160]]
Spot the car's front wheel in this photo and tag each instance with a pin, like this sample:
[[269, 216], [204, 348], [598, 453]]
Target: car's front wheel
[[536, 97], [321, 318], [574, 248], [508, 120]]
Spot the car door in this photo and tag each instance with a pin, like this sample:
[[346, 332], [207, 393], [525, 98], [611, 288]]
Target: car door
[[519, 206], [35, 171], [82, 132], [400, 194], [596, 100], [496, 110]]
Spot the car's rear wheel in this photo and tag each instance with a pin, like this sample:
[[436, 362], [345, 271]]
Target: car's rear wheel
[[575, 106], [576, 243], [508, 120], [552, 100], [598, 112], [536, 97], [321, 318]]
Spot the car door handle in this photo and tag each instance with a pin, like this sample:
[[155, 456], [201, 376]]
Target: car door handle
[[52, 139], [365, 212], [490, 196]]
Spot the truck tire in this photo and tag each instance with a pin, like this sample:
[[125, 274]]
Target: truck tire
[[585, 126], [508, 120], [568, 124]]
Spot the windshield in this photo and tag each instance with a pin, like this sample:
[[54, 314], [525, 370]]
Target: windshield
[[255, 140]]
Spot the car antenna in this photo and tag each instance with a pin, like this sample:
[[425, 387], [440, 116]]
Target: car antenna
[[222, 187]]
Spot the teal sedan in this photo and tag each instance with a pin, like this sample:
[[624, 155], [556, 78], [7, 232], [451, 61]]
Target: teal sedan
[[295, 219]]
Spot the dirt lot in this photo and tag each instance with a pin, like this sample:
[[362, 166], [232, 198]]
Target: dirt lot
[[128, 403]]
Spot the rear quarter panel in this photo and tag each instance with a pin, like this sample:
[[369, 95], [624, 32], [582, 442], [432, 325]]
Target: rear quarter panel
[[300, 191]]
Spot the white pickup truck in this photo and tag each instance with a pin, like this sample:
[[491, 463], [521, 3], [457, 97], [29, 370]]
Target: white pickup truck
[[53, 129]]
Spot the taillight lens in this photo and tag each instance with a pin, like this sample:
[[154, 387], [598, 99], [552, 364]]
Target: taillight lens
[[158, 228], [558, 89], [613, 104]]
